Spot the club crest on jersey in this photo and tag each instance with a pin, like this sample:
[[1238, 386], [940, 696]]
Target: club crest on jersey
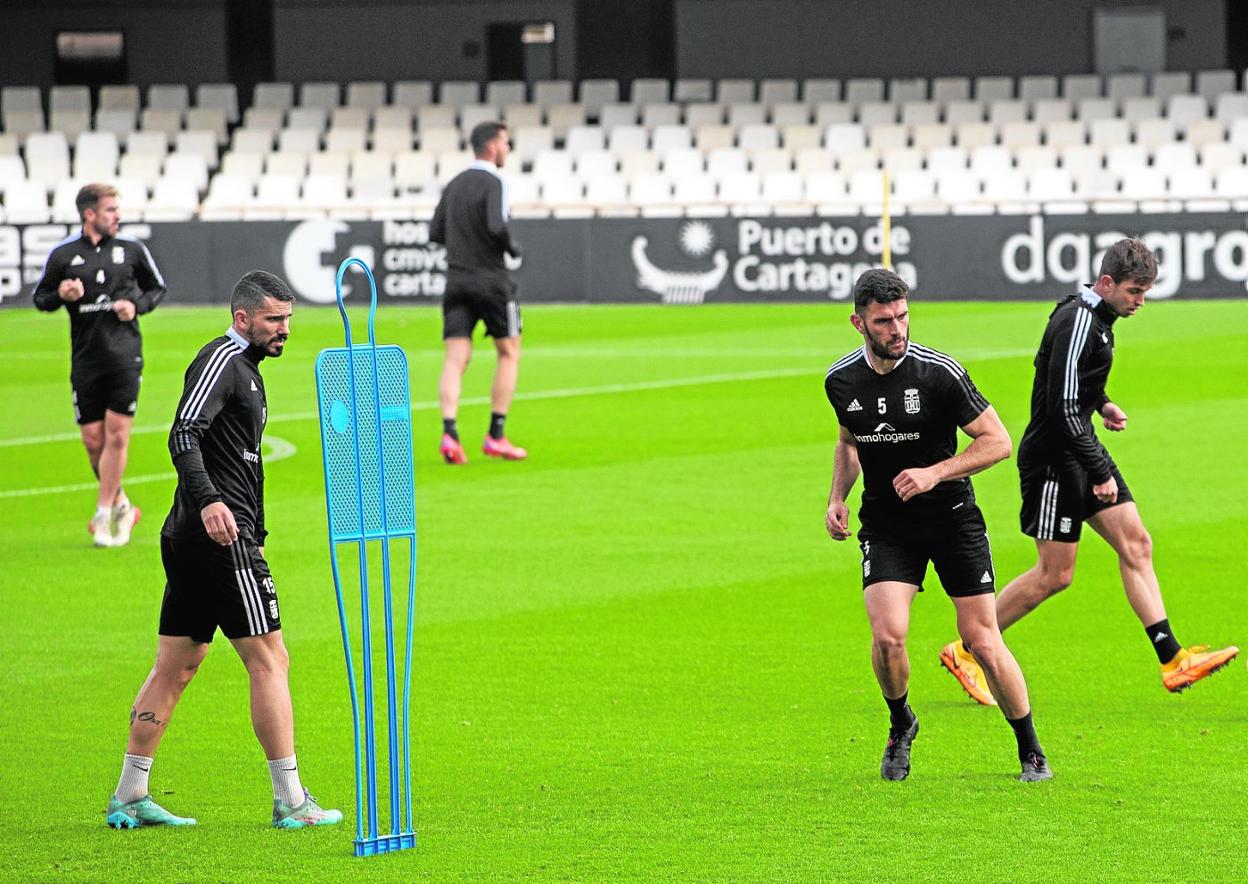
[[119, 255], [912, 401], [854, 406]]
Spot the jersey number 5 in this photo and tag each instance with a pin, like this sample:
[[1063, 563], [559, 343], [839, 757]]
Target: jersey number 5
[[881, 405]]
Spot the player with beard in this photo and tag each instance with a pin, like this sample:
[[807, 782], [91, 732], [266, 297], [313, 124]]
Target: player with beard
[[105, 281], [1068, 477], [212, 547], [899, 405]]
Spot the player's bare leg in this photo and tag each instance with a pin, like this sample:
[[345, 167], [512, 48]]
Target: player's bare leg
[[1181, 667], [1054, 570], [273, 719], [177, 661], [450, 385], [977, 624], [100, 525], [112, 462], [501, 393], [888, 610], [268, 666]]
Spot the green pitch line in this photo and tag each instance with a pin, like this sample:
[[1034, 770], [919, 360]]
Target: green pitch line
[[638, 654]]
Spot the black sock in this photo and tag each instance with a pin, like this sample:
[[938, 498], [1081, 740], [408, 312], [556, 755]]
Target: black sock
[[1025, 734], [496, 424], [901, 716], [1164, 642], [449, 428]]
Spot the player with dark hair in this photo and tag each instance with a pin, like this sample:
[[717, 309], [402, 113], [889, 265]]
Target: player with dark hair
[[1068, 477], [899, 405], [105, 281], [212, 547], [471, 221]]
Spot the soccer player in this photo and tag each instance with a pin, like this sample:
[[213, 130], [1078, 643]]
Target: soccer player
[[1068, 477], [212, 546], [105, 281], [899, 405], [471, 221]]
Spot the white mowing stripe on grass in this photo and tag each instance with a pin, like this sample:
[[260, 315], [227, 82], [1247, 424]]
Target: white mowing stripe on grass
[[534, 395], [278, 449]]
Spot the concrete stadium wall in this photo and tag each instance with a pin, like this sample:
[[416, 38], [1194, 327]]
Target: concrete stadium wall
[[902, 38], [684, 260], [394, 40]]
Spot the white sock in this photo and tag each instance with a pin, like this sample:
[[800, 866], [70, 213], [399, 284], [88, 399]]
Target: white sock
[[133, 783], [286, 786], [103, 512]]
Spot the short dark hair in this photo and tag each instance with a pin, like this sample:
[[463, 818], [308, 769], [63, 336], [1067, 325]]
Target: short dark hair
[[1130, 259], [483, 134], [256, 285], [90, 195], [879, 285]]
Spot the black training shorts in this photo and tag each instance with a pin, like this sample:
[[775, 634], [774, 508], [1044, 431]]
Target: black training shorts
[[209, 586], [491, 302], [957, 546], [1058, 500], [115, 389]]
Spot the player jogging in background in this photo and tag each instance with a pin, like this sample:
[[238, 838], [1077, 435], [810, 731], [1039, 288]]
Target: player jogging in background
[[899, 405], [471, 221], [212, 547], [105, 281], [1068, 477]]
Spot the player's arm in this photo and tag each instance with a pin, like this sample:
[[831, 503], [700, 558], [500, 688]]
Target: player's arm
[[205, 392], [261, 532], [437, 226], [53, 289], [1072, 343], [1112, 416], [151, 284], [990, 444], [496, 218], [845, 472]]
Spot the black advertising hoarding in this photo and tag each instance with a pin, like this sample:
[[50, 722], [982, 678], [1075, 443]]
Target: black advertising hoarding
[[683, 260]]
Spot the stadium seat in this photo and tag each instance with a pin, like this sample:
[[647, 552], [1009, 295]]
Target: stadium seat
[[929, 135], [1231, 107], [274, 96], [829, 192], [436, 117], [790, 113], [724, 161], [1098, 185], [412, 93], [1038, 87], [1238, 134], [765, 161], [366, 94], [906, 89], [1079, 86], [608, 196], [941, 160], [594, 164], [1152, 132], [131, 197], [946, 89], [351, 117], [516, 115], [780, 188], [247, 166], [1232, 183], [1218, 155], [173, 199], [12, 170], [865, 160], [144, 167], [1050, 185], [1020, 134], [695, 89], [830, 113], [1109, 132], [457, 93], [740, 115], [743, 192], [583, 138], [1007, 188], [1051, 110], [901, 159], [1211, 84], [1123, 158], [228, 197], [972, 135], [119, 97], [246, 140], [1123, 86], [23, 124], [595, 93], [703, 114], [1002, 111], [346, 140], [915, 113], [1190, 183], [26, 202], [438, 139], [95, 156], [169, 96], [64, 201], [1144, 183], [990, 159], [1174, 155], [528, 141], [21, 98], [314, 119], [773, 92], [649, 90], [796, 138], [873, 113], [841, 138], [1184, 109], [958, 111], [1142, 107], [962, 192], [47, 159], [1065, 133], [915, 191], [627, 139], [299, 140], [734, 91], [551, 164], [562, 117], [1030, 159], [1081, 159], [1171, 83], [221, 96], [269, 118], [888, 135], [471, 115], [186, 167], [666, 138], [817, 90], [209, 119], [651, 192], [414, 170], [758, 137], [72, 122], [863, 89], [119, 121], [989, 89]]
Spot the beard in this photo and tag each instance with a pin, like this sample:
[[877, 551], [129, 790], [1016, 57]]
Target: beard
[[881, 350]]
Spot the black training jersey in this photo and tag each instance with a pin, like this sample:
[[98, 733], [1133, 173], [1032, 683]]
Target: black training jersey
[[471, 221], [1072, 366], [116, 268], [215, 439], [906, 418]]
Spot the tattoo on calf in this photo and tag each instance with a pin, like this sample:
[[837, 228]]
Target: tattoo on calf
[[151, 718]]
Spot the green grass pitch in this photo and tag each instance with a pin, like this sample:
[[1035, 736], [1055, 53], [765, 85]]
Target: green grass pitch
[[638, 654]]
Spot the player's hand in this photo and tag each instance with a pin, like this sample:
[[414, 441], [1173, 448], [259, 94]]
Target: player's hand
[[125, 310], [1106, 492], [837, 520], [219, 523], [915, 481], [70, 290], [1114, 418]]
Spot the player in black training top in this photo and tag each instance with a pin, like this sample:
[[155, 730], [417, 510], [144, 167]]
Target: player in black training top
[[900, 405], [212, 547], [471, 221], [1068, 477], [105, 282]]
